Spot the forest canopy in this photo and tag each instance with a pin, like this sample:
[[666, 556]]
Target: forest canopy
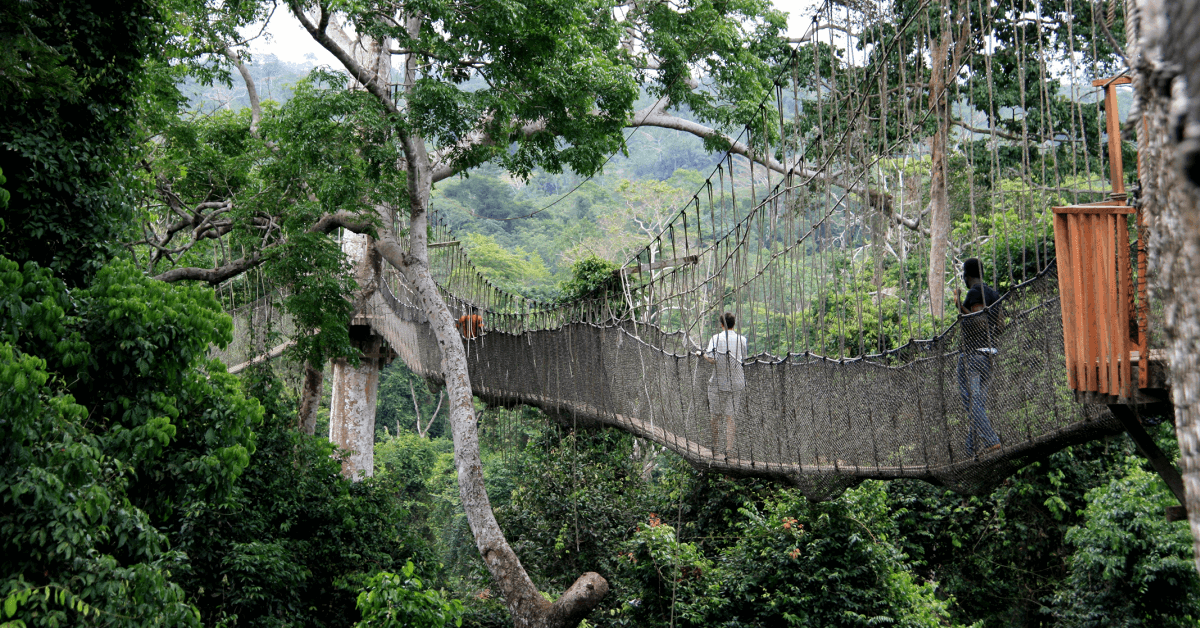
[[141, 483]]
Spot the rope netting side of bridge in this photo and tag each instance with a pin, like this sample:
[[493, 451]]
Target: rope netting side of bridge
[[825, 231], [820, 423]]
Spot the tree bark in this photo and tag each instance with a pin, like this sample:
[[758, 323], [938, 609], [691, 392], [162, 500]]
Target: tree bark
[[1164, 48], [310, 398], [939, 203], [522, 598], [352, 409], [355, 387]]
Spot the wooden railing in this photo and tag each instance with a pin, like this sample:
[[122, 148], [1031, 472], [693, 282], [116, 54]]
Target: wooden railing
[[1100, 327], [1104, 313]]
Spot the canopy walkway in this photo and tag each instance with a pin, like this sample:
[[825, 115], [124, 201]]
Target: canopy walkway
[[819, 423], [831, 235]]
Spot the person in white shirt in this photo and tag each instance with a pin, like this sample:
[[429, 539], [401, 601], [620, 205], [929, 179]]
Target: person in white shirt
[[726, 350]]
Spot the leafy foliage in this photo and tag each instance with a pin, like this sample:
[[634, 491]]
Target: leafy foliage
[[1129, 566], [591, 277], [402, 600], [295, 540], [101, 431], [69, 110]]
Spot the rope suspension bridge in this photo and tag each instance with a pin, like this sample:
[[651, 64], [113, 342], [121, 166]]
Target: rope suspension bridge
[[891, 148]]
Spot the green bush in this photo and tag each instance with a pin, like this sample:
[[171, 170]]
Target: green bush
[[1129, 566], [402, 601]]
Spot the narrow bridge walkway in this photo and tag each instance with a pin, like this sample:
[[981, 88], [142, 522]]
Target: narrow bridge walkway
[[820, 424]]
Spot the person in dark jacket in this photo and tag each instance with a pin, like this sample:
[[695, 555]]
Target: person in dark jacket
[[979, 331]]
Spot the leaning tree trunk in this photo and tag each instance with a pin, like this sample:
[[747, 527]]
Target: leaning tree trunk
[[1165, 51], [521, 596], [524, 601]]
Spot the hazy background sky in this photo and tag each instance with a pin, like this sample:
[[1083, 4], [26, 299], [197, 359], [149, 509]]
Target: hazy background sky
[[288, 41]]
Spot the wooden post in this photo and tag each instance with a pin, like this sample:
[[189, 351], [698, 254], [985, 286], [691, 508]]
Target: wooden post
[[1116, 167], [1143, 305]]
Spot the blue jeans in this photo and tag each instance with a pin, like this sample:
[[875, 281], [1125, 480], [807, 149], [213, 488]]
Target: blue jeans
[[974, 371]]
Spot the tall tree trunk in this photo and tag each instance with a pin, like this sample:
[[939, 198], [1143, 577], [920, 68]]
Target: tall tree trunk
[[355, 387], [352, 409], [369, 64], [310, 398], [1165, 51], [939, 202], [521, 596]]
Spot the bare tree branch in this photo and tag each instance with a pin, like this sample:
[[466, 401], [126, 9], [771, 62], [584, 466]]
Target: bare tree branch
[[320, 34], [997, 132], [327, 223], [213, 276], [656, 116], [251, 90], [433, 417], [412, 392]]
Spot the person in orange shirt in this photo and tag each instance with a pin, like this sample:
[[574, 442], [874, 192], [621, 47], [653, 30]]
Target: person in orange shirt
[[469, 325]]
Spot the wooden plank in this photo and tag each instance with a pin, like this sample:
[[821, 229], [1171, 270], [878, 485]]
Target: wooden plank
[[439, 245], [1116, 207], [1099, 287], [1066, 291], [1100, 284], [1108, 225], [1081, 303], [1116, 80], [1088, 332], [1124, 299]]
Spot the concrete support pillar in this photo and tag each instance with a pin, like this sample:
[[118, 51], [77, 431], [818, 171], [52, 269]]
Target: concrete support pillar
[[352, 410]]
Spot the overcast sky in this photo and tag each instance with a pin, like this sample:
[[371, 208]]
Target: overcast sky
[[287, 40]]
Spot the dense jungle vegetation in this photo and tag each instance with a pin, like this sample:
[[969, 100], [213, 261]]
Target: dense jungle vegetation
[[143, 485]]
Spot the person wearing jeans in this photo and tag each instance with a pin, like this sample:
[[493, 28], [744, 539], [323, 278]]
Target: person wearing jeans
[[979, 332], [974, 371]]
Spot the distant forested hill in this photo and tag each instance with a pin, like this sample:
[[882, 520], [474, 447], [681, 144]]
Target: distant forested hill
[[273, 78]]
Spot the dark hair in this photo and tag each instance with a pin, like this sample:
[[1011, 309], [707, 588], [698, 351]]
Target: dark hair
[[728, 320], [973, 268]]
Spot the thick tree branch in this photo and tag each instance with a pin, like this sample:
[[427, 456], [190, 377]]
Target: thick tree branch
[[656, 116], [251, 90], [344, 219], [213, 276], [360, 74]]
